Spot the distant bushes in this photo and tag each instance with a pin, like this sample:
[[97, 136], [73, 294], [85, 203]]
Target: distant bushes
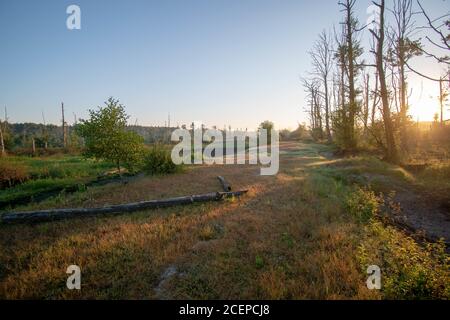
[[437, 171], [158, 161], [15, 171], [42, 152], [302, 133], [12, 174]]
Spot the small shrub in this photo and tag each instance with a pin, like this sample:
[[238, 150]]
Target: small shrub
[[57, 172], [409, 270], [158, 161], [363, 205], [288, 240], [259, 262], [207, 233], [211, 232], [12, 174]]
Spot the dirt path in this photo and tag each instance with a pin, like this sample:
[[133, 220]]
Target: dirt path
[[276, 230], [412, 207], [416, 211]]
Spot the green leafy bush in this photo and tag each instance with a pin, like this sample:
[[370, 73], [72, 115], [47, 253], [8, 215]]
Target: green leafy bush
[[363, 204], [158, 161], [106, 136], [409, 270]]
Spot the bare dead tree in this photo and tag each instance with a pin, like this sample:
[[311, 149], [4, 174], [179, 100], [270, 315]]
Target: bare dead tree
[[313, 95], [349, 51], [322, 60], [64, 127], [2, 140], [402, 49], [3, 130], [444, 39], [375, 100], [436, 26], [33, 146], [44, 131], [318, 111], [443, 95], [365, 112], [379, 35], [349, 24]]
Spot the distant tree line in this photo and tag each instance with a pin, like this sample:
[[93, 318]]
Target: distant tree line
[[21, 135]]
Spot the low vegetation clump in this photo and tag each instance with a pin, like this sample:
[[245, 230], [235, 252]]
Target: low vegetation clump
[[438, 171], [436, 178], [158, 161], [409, 270], [12, 174], [207, 233], [363, 205], [26, 179], [34, 190]]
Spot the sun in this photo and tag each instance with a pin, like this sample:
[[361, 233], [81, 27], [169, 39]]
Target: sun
[[425, 106], [424, 111], [424, 102]]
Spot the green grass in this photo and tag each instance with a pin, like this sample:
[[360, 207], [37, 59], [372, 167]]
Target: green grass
[[436, 178], [343, 169], [59, 167], [51, 175]]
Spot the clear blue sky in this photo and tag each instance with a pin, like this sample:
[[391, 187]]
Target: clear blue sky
[[222, 62]]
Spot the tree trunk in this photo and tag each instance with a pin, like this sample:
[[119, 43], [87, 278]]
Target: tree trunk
[[374, 103], [2, 141], [225, 185], [441, 100], [351, 79], [58, 214], [327, 110], [366, 103], [403, 102], [64, 126], [33, 142], [118, 168], [391, 149]]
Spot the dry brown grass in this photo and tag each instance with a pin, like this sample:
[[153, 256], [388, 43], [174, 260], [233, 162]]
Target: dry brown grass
[[12, 174]]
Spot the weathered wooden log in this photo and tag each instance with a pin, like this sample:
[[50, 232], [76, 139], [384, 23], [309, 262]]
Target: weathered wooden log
[[225, 185], [59, 214]]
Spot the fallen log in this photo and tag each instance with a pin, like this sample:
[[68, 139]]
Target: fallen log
[[225, 185], [59, 214]]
